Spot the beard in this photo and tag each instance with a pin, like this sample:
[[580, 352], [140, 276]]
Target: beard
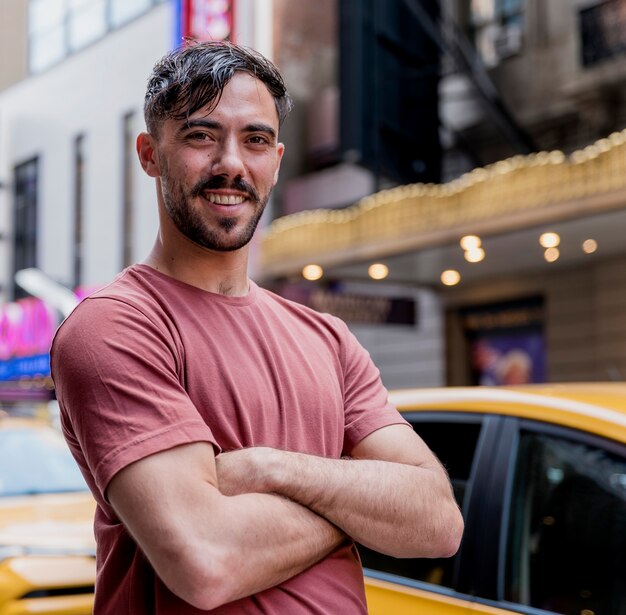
[[224, 234]]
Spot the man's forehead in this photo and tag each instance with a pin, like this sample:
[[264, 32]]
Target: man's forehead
[[260, 108], [243, 91]]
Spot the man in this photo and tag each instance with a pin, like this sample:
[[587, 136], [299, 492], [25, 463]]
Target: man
[[213, 419]]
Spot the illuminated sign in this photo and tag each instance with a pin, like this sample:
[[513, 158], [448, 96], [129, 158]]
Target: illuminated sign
[[26, 330], [353, 307], [206, 20], [27, 327]]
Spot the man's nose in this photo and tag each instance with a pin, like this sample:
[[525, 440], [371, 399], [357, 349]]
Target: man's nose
[[228, 159]]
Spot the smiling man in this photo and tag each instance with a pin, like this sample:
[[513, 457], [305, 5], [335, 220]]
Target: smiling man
[[237, 147], [236, 443]]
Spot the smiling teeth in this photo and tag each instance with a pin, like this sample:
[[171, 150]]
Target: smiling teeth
[[221, 199]]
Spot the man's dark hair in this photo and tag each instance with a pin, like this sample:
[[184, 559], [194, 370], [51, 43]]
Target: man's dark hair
[[193, 76]]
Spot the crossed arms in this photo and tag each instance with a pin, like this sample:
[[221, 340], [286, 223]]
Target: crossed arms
[[219, 529]]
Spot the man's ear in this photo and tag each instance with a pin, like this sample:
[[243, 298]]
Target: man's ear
[[280, 149], [146, 150]]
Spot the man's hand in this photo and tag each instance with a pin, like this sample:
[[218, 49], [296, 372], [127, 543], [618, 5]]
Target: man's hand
[[392, 496], [243, 470]]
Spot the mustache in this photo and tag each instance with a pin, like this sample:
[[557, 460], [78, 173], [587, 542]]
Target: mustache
[[218, 182]]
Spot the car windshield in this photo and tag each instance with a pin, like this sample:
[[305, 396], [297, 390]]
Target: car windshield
[[36, 460]]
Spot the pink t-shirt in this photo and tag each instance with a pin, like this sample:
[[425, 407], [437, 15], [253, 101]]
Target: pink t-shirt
[[149, 363]]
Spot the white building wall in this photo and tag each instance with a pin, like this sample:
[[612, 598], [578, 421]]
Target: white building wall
[[408, 356], [253, 25], [88, 93]]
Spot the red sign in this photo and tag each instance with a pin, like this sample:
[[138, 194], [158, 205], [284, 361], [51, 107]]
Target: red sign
[[208, 20]]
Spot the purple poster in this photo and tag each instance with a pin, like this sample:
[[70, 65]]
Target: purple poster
[[513, 358]]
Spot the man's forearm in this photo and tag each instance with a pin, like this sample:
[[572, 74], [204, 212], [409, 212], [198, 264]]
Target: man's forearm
[[394, 508], [271, 539], [207, 547], [390, 507]]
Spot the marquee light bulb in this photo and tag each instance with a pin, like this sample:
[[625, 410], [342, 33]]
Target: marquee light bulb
[[378, 271], [450, 277], [312, 272], [590, 246], [475, 255], [470, 242], [552, 254], [549, 240]]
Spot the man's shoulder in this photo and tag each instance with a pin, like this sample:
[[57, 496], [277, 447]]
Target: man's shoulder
[[126, 297], [131, 285]]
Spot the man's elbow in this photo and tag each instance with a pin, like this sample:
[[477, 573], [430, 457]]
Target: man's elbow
[[204, 581], [447, 532], [450, 534], [441, 539]]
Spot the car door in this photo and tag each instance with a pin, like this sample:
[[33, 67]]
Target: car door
[[410, 586], [545, 523], [563, 536]]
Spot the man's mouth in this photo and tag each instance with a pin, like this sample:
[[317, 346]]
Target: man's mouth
[[224, 199]]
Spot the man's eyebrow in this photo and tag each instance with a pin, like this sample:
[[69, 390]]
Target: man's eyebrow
[[260, 127], [212, 124], [199, 123]]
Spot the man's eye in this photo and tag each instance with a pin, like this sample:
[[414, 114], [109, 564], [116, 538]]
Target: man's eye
[[258, 140], [198, 136]]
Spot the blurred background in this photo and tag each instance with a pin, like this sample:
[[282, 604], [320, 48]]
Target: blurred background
[[454, 185]]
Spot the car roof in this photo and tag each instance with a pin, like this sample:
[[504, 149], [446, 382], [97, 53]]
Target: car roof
[[8, 421], [12, 423], [598, 408]]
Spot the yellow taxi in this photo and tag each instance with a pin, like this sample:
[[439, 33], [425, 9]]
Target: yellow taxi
[[47, 549], [540, 475]]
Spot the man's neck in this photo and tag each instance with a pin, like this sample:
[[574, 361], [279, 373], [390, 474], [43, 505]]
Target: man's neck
[[224, 273]]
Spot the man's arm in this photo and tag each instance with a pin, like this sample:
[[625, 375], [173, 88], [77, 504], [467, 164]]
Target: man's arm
[[209, 548], [393, 495]]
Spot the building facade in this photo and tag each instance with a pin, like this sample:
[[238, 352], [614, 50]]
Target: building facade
[[416, 124], [75, 206], [532, 112]]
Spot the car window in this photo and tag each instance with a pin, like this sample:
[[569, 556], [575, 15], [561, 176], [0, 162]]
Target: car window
[[454, 443], [567, 531], [36, 460]]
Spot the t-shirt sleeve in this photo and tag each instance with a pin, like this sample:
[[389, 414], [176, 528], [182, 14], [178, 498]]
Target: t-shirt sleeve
[[366, 401], [118, 379]]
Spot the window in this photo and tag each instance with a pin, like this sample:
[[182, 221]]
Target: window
[[123, 11], [455, 445], [46, 33], [79, 203], [25, 219], [497, 26], [567, 534], [57, 28], [602, 27], [128, 185], [86, 22]]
